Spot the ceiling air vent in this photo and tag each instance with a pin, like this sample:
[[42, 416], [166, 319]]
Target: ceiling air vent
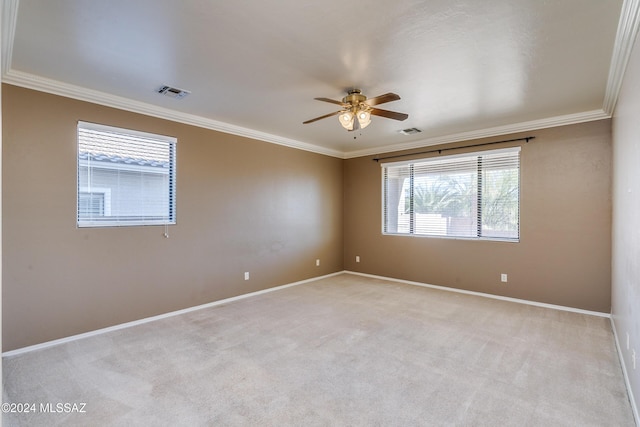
[[173, 92], [410, 131]]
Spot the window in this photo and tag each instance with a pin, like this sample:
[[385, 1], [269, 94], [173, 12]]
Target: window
[[125, 177], [475, 195], [92, 204]]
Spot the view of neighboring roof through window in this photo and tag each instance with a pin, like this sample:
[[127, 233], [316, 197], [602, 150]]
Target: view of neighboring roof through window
[[125, 177]]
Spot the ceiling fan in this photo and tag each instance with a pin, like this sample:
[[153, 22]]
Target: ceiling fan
[[357, 109]]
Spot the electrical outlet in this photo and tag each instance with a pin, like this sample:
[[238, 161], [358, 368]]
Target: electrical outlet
[[246, 275], [503, 278], [357, 258], [317, 263]]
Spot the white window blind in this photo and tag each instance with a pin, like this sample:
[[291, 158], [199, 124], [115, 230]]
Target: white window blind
[[475, 195], [125, 177]]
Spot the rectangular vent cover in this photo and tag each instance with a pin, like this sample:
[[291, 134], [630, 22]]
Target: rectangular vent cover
[[410, 131], [173, 92]]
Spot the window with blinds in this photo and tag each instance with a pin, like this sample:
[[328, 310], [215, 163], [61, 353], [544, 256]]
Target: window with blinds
[[125, 177], [474, 195]]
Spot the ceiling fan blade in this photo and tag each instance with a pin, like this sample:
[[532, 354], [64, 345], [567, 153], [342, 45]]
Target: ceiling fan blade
[[387, 97], [332, 101], [389, 114], [335, 113]]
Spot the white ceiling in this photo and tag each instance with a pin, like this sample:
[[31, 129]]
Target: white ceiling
[[463, 68]]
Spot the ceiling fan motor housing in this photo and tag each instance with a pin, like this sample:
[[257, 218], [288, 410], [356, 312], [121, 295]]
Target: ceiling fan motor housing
[[354, 97]]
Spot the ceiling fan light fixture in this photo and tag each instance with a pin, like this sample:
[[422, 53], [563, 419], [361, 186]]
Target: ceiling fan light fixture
[[364, 118], [346, 120]]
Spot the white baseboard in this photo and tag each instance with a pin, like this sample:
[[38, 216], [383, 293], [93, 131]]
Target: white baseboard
[[239, 297], [634, 407], [158, 317], [277, 288], [481, 294], [632, 400]]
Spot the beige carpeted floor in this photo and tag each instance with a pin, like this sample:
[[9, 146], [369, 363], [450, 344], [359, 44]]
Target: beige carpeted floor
[[342, 351]]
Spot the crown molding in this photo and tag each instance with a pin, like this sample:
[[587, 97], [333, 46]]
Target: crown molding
[[9, 18], [625, 38], [550, 122], [628, 28], [30, 81]]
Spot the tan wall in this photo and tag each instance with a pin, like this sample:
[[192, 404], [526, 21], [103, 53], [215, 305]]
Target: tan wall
[[626, 222], [231, 191], [563, 256], [242, 205]]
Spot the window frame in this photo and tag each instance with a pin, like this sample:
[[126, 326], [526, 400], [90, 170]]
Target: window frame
[[478, 212], [122, 221]]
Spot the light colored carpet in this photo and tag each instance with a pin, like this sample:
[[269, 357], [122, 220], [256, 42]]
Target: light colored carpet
[[342, 351]]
